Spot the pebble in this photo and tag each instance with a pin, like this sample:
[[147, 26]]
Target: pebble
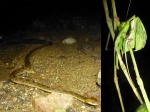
[[69, 40], [82, 106]]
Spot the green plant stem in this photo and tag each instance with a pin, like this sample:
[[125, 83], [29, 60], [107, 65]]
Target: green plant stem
[[117, 85], [116, 19], [139, 81], [124, 69], [108, 19], [110, 26]]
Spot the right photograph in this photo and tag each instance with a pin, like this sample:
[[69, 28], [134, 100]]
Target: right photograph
[[125, 56]]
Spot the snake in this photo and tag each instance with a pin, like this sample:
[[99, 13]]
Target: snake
[[15, 78]]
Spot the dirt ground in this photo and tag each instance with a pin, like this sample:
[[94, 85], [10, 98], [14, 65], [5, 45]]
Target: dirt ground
[[72, 67]]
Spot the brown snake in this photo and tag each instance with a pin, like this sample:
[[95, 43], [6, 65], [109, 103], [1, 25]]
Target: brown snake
[[27, 67]]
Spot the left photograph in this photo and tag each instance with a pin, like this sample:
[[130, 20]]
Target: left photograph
[[50, 56]]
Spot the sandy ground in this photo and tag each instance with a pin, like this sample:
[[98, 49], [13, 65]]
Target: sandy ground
[[72, 67]]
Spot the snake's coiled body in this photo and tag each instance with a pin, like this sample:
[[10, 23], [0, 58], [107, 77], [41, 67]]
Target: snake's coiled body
[[15, 77]]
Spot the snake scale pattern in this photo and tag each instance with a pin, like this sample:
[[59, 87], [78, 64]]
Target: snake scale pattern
[[15, 77]]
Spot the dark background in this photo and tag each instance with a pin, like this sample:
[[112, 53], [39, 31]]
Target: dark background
[[110, 101], [17, 14]]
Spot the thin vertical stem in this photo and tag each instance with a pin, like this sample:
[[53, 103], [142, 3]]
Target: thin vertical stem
[[124, 69], [117, 84], [116, 19], [108, 19], [139, 81]]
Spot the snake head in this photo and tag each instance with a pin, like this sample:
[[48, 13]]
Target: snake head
[[92, 101]]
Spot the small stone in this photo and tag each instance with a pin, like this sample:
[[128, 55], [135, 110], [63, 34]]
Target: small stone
[[69, 40], [82, 106], [7, 64], [53, 102], [99, 78]]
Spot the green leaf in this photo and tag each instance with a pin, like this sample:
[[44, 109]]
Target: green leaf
[[142, 108], [140, 35]]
